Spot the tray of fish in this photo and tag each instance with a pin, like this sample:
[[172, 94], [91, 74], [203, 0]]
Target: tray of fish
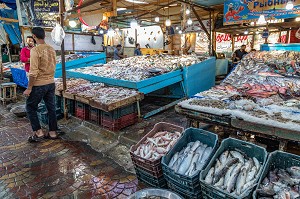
[[280, 177], [233, 171], [192, 152], [148, 152]]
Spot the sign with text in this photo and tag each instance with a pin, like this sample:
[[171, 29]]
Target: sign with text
[[245, 11]]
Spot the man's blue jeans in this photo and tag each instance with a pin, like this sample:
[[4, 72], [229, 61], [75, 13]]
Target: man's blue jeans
[[39, 93]]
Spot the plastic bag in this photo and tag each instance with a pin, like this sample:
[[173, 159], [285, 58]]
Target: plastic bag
[[297, 35], [69, 4], [58, 34]]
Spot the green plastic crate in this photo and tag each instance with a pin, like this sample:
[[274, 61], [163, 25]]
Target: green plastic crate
[[184, 193], [251, 150], [190, 183], [280, 160], [150, 180]]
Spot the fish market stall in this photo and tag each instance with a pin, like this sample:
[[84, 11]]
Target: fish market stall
[[152, 73], [261, 96]]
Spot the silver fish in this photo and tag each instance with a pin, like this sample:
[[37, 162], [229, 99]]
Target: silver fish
[[185, 165], [173, 160], [251, 174], [241, 180], [238, 155], [248, 185], [294, 171], [195, 145], [224, 157], [227, 176], [232, 180], [224, 169], [194, 162], [209, 176], [257, 164], [220, 183]]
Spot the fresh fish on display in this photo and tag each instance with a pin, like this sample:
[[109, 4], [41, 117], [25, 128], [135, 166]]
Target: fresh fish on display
[[139, 68], [191, 159], [155, 147], [234, 172], [280, 183]]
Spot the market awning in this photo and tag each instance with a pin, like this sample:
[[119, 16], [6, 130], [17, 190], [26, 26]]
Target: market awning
[[12, 29]]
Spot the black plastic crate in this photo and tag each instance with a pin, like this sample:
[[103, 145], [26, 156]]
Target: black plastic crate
[[82, 111], [184, 193], [95, 115], [119, 112], [251, 150], [152, 181], [280, 160], [190, 183]]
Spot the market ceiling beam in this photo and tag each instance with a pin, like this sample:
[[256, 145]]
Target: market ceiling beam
[[197, 5], [86, 13], [200, 21], [85, 4]]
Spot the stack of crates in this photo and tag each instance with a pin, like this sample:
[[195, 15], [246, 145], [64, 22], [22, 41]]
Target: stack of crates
[[188, 186], [147, 171], [82, 111], [95, 115], [119, 118]]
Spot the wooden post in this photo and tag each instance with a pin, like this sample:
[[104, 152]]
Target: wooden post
[[73, 42], [252, 43], [210, 35], [232, 42], [114, 6], [63, 61]]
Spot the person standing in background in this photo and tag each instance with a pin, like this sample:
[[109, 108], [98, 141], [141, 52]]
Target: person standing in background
[[25, 53], [137, 51], [118, 53], [41, 86]]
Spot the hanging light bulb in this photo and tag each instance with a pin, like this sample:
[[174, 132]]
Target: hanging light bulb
[[180, 31], [72, 24], [168, 22], [134, 23], [177, 28], [261, 20], [117, 29], [246, 32], [187, 11], [189, 21], [110, 32], [257, 32], [156, 19], [289, 5], [101, 32]]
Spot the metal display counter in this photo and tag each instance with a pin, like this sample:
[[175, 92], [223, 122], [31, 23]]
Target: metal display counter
[[267, 131], [285, 47]]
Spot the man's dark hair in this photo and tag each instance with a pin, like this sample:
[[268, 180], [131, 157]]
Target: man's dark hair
[[29, 37], [137, 45], [119, 45], [38, 32], [243, 45]]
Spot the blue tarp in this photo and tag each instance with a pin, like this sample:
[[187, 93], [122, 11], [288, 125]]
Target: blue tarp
[[12, 29]]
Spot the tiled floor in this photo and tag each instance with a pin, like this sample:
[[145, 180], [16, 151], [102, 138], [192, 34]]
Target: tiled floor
[[55, 169]]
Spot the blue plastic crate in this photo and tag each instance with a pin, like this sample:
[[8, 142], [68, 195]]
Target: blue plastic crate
[[70, 106], [43, 117], [190, 135], [251, 150], [148, 179], [19, 77]]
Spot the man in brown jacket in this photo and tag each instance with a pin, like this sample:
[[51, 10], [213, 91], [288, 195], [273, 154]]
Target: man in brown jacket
[[41, 86]]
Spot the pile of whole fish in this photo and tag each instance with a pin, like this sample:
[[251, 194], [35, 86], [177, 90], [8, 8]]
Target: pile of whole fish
[[155, 147], [140, 67], [281, 184], [190, 159], [71, 57], [234, 173], [71, 83]]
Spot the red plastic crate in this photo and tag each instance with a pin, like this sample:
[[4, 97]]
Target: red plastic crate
[[155, 166], [118, 124], [95, 115], [82, 113]]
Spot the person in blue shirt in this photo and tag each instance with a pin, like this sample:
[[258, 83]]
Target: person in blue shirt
[[137, 51], [118, 54]]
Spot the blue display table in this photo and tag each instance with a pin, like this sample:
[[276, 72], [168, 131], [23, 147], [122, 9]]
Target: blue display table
[[20, 78], [286, 47]]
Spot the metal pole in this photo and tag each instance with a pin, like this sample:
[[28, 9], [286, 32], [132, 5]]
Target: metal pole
[[210, 35], [63, 61]]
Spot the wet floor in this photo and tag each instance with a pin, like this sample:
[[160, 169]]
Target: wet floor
[[56, 169]]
